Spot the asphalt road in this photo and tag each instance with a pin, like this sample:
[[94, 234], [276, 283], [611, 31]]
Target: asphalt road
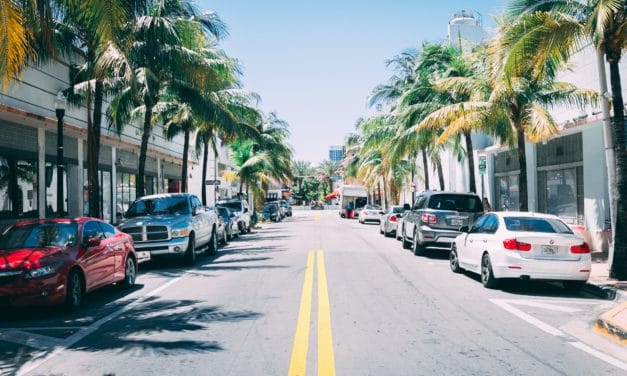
[[314, 294]]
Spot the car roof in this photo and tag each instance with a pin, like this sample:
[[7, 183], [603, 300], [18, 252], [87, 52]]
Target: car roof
[[165, 195], [434, 193], [506, 214]]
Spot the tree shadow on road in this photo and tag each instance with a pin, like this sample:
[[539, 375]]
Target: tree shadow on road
[[163, 327]]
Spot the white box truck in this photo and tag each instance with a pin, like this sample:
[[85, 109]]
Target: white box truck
[[352, 197]]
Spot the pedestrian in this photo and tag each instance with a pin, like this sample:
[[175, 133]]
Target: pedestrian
[[486, 205]]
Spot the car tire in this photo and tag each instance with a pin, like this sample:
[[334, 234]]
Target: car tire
[[418, 249], [406, 244], [573, 285], [225, 237], [381, 231], [487, 275], [249, 229], [74, 291], [212, 247], [454, 260], [130, 273], [229, 233], [190, 254]]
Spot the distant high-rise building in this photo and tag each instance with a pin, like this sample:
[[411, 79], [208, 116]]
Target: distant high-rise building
[[336, 153], [465, 30]]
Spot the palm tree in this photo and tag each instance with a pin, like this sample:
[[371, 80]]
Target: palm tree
[[301, 170], [328, 170], [158, 55], [551, 30]]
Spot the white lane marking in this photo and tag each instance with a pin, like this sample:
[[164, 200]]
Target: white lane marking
[[552, 307], [30, 339], [505, 304], [71, 340], [596, 353], [528, 318], [27, 328]]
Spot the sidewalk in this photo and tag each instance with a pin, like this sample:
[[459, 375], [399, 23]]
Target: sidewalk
[[614, 321]]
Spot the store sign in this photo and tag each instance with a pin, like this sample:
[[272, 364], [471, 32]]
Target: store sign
[[213, 182], [483, 164]]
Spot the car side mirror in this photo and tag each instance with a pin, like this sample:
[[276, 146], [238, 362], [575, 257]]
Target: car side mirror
[[245, 210], [406, 207], [464, 229], [94, 241], [381, 212]]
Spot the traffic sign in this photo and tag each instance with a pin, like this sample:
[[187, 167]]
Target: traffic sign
[[213, 182]]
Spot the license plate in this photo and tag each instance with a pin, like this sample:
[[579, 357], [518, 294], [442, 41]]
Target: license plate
[[143, 255], [457, 222], [548, 250]]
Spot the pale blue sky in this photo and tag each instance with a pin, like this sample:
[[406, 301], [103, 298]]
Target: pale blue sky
[[315, 62]]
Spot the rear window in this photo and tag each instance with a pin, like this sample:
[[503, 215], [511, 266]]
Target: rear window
[[530, 224], [398, 209], [461, 203]]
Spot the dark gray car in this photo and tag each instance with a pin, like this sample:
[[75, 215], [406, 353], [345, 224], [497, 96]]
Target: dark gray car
[[435, 219]]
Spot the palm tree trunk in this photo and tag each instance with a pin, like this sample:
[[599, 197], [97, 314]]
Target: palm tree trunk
[[241, 185], [438, 167], [185, 160], [93, 150], [425, 168], [330, 185], [471, 162], [205, 160], [522, 180], [143, 151], [619, 260]]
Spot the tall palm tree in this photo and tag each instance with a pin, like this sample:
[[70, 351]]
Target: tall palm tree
[[552, 30], [300, 170], [157, 55], [328, 170]]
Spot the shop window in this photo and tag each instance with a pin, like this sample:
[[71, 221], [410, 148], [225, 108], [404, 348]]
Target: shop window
[[560, 192], [507, 192], [51, 189], [125, 192], [174, 185], [18, 188], [104, 182]]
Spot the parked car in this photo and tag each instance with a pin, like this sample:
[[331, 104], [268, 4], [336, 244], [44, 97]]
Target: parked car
[[271, 212], [172, 224], [399, 224], [521, 245], [229, 220], [58, 261], [316, 206], [280, 209], [387, 224], [287, 208], [369, 213], [242, 213], [436, 217]]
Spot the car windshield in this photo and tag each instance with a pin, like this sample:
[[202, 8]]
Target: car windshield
[[461, 203], [39, 235], [223, 212], [530, 224], [233, 205], [156, 206], [397, 209], [269, 208]]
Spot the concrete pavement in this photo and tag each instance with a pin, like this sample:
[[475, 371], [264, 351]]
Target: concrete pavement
[[367, 306]]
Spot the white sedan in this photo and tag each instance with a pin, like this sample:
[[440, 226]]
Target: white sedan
[[522, 245]]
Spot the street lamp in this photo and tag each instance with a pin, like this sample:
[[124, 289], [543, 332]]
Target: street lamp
[[59, 106]]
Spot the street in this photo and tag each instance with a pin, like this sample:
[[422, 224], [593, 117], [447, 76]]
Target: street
[[314, 294]]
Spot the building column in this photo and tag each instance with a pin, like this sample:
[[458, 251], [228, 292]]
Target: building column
[[41, 172], [114, 185], [159, 176], [80, 181]]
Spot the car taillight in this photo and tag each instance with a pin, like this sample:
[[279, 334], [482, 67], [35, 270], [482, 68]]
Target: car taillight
[[515, 245], [428, 218], [580, 248], [392, 218]]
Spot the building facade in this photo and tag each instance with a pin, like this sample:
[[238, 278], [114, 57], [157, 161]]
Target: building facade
[[28, 148], [336, 153]]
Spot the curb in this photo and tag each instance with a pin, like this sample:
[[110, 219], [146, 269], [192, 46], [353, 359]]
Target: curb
[[614, 322]]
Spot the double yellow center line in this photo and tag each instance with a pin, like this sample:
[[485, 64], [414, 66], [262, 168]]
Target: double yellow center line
[[326, 360]]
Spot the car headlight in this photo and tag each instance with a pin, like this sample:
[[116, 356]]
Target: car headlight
[[44, 270], [180, 233]]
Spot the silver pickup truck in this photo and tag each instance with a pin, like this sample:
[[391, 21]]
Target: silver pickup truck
[[173, 224]]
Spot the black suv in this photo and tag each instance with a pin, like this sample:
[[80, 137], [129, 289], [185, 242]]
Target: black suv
[[436, 218]]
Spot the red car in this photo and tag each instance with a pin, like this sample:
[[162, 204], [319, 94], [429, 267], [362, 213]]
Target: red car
[[57, 261]]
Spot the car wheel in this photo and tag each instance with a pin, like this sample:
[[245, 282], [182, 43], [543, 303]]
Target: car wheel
[[229, 234], [418, 249], [454, 260], [381, 231], [190, 253], [130, 273], [406, 244], [249, 229], [225, 237], [74, 290], [213, 243], [573, 285], [487, 275]]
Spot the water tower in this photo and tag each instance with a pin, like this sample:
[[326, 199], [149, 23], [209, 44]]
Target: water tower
[[465, 30]]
